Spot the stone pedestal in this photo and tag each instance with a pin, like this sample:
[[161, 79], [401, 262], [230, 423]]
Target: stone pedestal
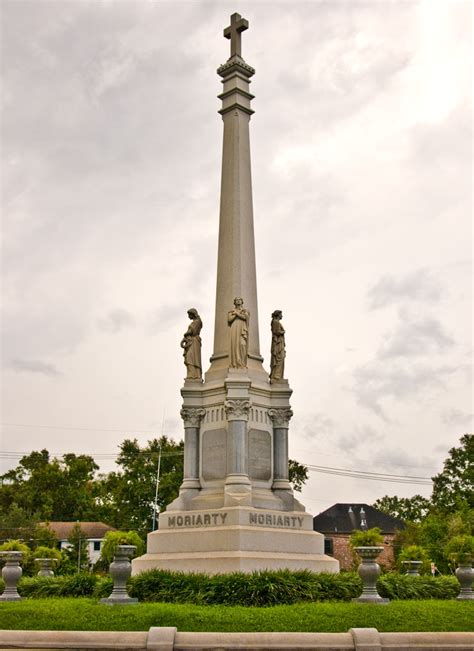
[[234, 539]]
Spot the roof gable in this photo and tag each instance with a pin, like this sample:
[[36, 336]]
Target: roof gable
[[62, 530], [339, 519]]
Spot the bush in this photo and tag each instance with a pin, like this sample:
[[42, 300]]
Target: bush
[[265, 588], [403, 586], [460, 549], [414, 553], [115, 538], [370, 538]]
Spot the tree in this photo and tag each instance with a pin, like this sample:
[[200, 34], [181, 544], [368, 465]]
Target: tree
[[125, 498], [297, 474], [409, 509], [49, 488], [455, 483], [77, 553]]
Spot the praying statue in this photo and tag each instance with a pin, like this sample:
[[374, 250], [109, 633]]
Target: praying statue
[[238, 320], [191, 345], [277, 358]]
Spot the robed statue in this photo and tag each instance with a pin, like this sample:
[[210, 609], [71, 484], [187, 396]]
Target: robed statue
[[277, 357], [191, 345], [238, 321]]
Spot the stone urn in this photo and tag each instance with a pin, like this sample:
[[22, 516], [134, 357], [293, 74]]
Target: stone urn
[[120, 571], [11, 574], [46, 566], [369, 572], [465, 576], [413, 567]]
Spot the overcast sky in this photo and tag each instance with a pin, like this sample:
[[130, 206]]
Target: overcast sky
[[361, 162]]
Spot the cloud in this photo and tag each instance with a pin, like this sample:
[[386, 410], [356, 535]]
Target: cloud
[[418, 286], [418, 336], [116, 320], [318, 425], [360, 436], [33, 366], [376, 382], [457, 418]]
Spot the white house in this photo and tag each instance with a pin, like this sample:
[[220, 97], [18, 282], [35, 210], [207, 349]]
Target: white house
[[94, 533]]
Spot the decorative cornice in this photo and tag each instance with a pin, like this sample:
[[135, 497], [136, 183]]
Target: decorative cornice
[[234, 64], [280, 417], [192, 416], [237, 409]]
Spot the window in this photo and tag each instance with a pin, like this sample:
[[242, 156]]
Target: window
[[329, 546], [97, 545]]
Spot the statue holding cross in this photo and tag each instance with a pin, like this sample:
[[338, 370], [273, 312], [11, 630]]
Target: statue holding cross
[[236, 27]]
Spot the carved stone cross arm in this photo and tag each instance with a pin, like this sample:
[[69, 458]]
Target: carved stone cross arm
[[236, 27]]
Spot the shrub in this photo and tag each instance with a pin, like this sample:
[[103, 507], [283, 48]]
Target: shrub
[[460, 548], [115, 538], [403, 586], [265, 588], [370, 538], [414, 553]]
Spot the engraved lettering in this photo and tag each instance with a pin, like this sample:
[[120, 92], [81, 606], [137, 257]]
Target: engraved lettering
[[300, 520], [253, 518], [293, 521], [207, 519], [268, 519], [261, 518], [179, 520], [198, 520], [187, 520], [280, 521], [286, 520], [223, 516], [214, 517], [172, 521]]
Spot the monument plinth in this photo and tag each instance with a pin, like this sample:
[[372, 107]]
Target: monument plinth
[[236, 509]]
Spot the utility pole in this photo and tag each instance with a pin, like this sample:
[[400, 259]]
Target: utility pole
[[155, 505]]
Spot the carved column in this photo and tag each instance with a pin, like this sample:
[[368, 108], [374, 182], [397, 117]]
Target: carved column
[[281, 421], [192, 419], [237, 478]]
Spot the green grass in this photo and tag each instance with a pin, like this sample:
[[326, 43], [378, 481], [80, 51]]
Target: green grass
[[86, 614]]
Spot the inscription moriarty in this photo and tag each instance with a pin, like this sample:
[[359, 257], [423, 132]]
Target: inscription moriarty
[[260, 455], [220, 519], [198, 520]]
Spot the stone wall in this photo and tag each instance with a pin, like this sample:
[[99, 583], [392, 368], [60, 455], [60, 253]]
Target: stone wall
[[343, 553]]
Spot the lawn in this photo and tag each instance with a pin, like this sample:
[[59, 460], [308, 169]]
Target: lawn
[[86, 614]]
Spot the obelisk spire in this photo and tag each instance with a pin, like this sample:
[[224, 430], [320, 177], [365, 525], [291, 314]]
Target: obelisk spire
[[236, 271]]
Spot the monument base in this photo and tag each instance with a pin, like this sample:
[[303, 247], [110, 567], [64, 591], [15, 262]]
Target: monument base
[[235, 539]]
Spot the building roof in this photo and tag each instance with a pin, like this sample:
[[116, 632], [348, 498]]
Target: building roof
[[62, 530], [344, 518]]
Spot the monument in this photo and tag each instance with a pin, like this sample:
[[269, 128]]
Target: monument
[[236, 509]]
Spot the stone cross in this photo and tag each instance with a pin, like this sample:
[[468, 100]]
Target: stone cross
[[237, 25]]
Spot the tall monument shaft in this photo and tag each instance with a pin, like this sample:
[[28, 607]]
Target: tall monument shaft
[[236, 269], [236, 509]]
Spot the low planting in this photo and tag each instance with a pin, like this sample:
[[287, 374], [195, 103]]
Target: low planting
[[258, 589]]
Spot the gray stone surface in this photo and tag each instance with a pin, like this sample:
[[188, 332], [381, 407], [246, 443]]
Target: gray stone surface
[[260, 455], [235, 489], [214, 451]]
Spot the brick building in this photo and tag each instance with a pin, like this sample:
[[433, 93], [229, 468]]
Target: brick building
[[340, 520]]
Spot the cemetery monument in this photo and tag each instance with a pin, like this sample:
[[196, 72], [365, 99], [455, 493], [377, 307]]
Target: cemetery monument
[[236, 510]]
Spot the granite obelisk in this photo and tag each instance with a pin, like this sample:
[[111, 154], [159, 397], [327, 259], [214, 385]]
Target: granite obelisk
[[236, 509]]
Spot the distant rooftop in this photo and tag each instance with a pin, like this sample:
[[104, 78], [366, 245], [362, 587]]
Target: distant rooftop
[[344, 518], [62, 530]]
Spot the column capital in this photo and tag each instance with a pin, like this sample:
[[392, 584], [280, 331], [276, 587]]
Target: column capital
[[237, 409], [280, 417], [192, 416]]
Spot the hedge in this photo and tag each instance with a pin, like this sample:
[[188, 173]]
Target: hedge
[[266, 588]]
